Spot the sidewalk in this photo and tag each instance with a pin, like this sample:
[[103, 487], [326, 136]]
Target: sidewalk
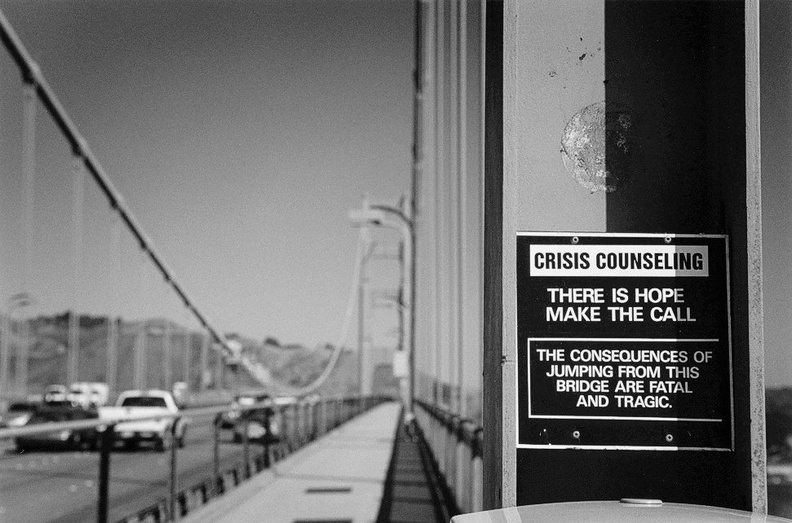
[[413, 492], [337, 478]]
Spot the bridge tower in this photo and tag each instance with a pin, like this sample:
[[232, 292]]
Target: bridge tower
[[619, 130]]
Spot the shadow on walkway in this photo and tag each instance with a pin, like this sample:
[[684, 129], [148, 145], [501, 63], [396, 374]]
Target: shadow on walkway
[[414, 491]]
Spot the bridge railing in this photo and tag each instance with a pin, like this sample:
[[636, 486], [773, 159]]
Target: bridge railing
[[456, 443], [300, 422]]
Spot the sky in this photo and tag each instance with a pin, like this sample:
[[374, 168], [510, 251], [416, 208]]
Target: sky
[[239, 133]]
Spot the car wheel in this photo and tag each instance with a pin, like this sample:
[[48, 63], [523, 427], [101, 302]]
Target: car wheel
[[87, 444], [77, 442], [80, 443], [164, 443]]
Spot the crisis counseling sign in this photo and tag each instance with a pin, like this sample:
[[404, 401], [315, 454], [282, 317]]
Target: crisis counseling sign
[[623, 341]]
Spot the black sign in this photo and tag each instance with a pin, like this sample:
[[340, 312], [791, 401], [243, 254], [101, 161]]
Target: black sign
[[623, 341]]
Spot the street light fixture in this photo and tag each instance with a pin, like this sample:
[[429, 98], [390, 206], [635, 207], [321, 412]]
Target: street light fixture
[[17, 301], [378, 216]]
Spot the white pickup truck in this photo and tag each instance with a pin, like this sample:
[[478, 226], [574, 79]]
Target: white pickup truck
[[133, 404]]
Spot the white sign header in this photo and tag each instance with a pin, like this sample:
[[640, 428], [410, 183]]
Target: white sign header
[[619, 260]]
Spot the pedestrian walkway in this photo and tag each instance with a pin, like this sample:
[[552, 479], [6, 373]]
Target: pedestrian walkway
[[339, 478]]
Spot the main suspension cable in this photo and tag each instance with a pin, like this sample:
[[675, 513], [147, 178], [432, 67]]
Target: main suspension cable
[[257, 370]]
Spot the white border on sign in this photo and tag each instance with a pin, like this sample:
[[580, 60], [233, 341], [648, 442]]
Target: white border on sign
[[621, 234], [569, 234], [627, 418]]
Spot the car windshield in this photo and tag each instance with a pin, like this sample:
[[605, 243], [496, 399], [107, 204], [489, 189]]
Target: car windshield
[[60, 403], [250, 400], [144, 401], [46, 417], [21, 407]]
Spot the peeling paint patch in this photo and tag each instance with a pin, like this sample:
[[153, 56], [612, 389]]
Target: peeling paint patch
[[587, 136]]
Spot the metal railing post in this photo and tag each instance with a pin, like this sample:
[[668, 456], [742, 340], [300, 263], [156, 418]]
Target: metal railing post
[[462, 466], [456, 444], [298, 414], [314, 420], [309, 421], [306, 422], [216, 458], [173, 478], [246, 447], [321, 426], [477, 488], [285, 416], [295, 417], [105, 447], [296, 426], [269, 437]]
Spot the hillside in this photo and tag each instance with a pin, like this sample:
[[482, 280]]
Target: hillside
[[293, 365]]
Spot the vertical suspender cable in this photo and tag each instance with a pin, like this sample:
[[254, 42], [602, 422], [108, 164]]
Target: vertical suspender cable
[[141, 345], [167, 352], [365, 255], [415, 181], [219, 370], [112, 320], [362, 252], [439, 163], [204, 362], [29, 172], [427, 99], [480, 93], [462, 206], [361, 310], [144, 338], [36, 85], [5, 346], [454, 181], [186, 350], [78, 188]]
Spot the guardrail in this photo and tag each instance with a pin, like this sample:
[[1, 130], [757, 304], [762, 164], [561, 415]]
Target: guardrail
[[302, 421], [456, 443]]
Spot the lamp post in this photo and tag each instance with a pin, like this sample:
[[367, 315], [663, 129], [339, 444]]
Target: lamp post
[[378, 216], [17, 301], [364, 385]]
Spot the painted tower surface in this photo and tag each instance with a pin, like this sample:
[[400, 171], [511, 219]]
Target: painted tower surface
[[606, 125]]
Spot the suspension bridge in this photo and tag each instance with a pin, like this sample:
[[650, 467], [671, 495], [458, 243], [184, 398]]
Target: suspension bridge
[[681, 156], [336, 455]]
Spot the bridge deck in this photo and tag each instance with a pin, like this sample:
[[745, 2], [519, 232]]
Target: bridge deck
[[341, 478]]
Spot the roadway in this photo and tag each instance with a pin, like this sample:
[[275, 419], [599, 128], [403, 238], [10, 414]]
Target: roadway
[[62, 486]]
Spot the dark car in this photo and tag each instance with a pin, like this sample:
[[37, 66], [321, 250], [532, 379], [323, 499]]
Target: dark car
[[262, 424], [79, 439], [228, 420], [18, 414]]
